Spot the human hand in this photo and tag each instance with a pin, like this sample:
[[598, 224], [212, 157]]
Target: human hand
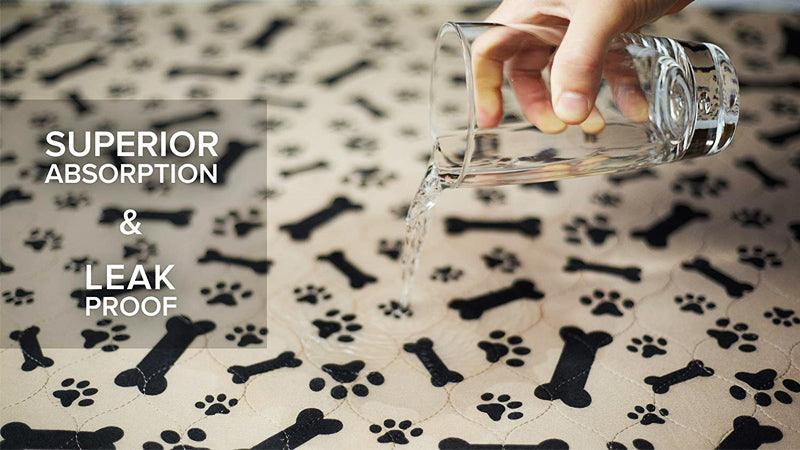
[[581, 60]]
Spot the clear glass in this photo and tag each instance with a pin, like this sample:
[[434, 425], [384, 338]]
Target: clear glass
[[690, 89]]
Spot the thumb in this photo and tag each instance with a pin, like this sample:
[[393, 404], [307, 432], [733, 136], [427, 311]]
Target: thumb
[[578, 62]]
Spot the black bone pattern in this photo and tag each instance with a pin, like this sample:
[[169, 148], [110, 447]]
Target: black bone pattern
[[259, 266], [356, 277], [272, 30], [658, 234], [630, 273], [693, 369], [461, 444], [733, 287], [473, 308], [440, 373], [179, 217], [21, 435], [529, 226], [90, 60], [31, 349], [243, 373], [208, 71], [768, 180], [568, 382], [309, 424], [149, 376], [309, 167], [303, 228], [186, 118], [749, 433]]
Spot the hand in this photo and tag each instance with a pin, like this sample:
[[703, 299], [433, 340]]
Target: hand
[[576, 68]]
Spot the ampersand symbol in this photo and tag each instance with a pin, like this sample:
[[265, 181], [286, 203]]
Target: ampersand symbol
[[127, 227]]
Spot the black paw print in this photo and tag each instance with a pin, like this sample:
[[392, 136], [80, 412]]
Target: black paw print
[[369, 176], [780, 316], [498, 348], [337, 324], [694, 303], [597, 230], [107, 332], [76, 265], [496, 409], [607, 303], [607, 199], [648, 414], [395, 309], [648, 346], [764, 381], [242, 224], [141, 250], [699, 185], [69, 394], [173, 438], [395, 432], [247, 335], [39, 240], [362, 144], [751, 217], [758, 257], [502, 260], [344, 375], [18, 297], [446, 273], [726, 338], [216, 405], [400, 211], [490, 196], [391, 249], [225, 295], [311, 294], [71, 200]]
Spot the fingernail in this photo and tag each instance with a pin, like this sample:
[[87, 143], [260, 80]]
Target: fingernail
[[572, 107]]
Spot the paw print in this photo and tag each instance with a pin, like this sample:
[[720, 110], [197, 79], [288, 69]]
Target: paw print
[[76, 265], [502, 260], [241, 224], [496, 409], [18, 297], [607, 199], [758, 257], [778, 316], [490, 196], [726, 338], [596, 230], [648, 414], [694, 303], [39, 240], [248, 335], [344, 375], [71, 200], [763, 382], [337, 324], [751, 218], [107, 332], [216, 405], [369, 176], [699, 185], [446, 273], [391, 249], [69, 394], [395, 309], [648, 346], [311, 294], [170, 437], [395, 432], [607, 303], [141, 250], [225, 295], [498, 348]]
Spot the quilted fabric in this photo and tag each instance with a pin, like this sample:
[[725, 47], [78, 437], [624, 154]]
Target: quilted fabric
[[652, 309]]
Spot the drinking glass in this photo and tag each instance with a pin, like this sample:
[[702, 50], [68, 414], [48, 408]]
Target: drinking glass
[[661, 100]]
